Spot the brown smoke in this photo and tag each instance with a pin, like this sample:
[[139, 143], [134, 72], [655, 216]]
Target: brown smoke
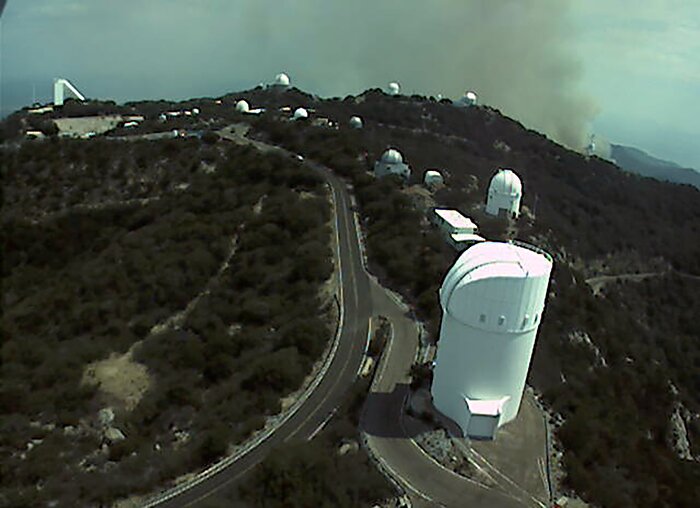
[[514, 53]]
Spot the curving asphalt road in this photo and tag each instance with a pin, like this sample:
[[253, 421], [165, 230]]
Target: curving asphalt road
[[426, 482], [341, 372]]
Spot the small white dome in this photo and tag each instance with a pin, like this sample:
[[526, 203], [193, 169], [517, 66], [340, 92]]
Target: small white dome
[[242, 106], [433, 177], [356, 122], [282, 79], [300, 113], [195, 111], [468, 99], [392, 156], [394, 88], [506, 183]]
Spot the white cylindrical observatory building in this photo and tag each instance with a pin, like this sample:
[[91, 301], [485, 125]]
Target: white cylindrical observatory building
[[505, 193], [492, 300]]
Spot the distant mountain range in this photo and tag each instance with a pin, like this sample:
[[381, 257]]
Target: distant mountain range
[[637, 161]]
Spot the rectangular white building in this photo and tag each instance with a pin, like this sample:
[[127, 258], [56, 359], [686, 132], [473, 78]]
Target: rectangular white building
[[459, 231]]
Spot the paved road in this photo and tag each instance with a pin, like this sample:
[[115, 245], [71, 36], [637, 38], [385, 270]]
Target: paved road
[[427, 483], [342, 371]]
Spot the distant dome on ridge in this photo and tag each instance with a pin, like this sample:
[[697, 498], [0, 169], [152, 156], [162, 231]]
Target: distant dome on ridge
[[282, 79], [394, 88], [468, 99]]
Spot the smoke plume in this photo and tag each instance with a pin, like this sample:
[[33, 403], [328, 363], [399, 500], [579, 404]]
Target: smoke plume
[[514, 53]]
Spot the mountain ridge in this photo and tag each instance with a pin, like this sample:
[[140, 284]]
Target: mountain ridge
[[636, 160]]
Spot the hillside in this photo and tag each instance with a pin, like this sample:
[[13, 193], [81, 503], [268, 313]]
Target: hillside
[[148, 320], [595, 220], [641, 163], [615, 366]]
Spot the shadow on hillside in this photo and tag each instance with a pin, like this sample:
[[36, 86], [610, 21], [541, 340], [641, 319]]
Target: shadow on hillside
[[383, 412]]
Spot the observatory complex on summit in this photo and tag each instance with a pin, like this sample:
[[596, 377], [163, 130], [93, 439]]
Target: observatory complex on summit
[[492, 300]]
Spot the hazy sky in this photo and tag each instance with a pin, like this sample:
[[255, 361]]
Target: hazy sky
[[630, 70]]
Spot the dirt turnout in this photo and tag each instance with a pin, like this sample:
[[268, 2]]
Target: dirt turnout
[[121, 377]]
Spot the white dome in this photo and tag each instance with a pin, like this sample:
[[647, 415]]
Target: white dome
[[356, 122], [300, 113], [394, 88], [282, 79], [506, 183], [468, 99], [392, 156], [242, 106]]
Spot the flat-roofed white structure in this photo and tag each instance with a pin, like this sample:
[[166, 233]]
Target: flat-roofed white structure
[[459, 231], [391, 163], [462, 241], [393, 88], [433, 178], [61, 87], [504, 194], [492, 300], [452, 221]]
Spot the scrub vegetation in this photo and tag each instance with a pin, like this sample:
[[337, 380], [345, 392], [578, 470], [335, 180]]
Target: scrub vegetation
[[130, 253], [162, 256]]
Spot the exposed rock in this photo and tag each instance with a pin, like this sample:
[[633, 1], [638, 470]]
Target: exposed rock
[[581, 337], [113, 435], [348, 447], [677, 438], [105, 416], [70, 431]]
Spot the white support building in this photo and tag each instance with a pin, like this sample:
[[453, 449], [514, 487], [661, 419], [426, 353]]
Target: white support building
[[492, 300], [391, 163], [504, 194], [62, 88], [459, 231]]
